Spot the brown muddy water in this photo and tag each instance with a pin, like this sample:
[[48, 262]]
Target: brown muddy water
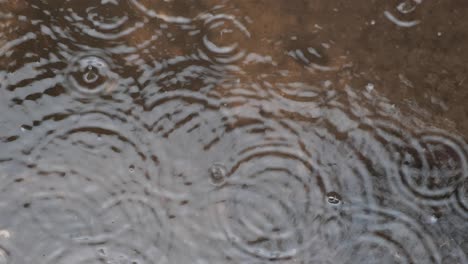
[[242, 131]]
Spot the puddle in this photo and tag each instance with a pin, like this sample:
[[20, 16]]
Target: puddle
[[151, 131]]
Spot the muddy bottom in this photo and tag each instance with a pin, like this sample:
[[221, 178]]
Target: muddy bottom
[[184, 131]]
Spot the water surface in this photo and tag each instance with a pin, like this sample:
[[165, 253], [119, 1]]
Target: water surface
[[177, 131]]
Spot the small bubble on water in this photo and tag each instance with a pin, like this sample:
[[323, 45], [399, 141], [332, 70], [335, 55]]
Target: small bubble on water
[[334, 198], [217, 173], [433, 220]]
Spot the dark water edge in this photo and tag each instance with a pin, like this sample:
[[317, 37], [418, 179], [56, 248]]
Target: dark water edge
[[170, 131]]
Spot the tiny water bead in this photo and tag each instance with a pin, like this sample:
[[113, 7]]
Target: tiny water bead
[[90, 75], [334, 198], [218, 174]]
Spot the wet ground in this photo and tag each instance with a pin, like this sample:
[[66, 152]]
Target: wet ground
[[183, 131]]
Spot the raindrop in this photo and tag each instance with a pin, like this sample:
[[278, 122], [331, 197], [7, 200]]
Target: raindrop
[[334, 198], [370, 87], [90, 75], [433, 219], [218, 174]]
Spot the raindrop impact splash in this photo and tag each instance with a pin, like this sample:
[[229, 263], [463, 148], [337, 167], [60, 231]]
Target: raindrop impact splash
[[334, 198], [91, 75]]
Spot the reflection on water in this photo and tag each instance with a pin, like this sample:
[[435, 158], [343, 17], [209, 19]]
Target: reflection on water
[[170, 131]]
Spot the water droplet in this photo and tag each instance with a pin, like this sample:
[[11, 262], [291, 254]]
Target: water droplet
[[433, 219], [131, 168], [90, 74], [218, 174], [334, 198]]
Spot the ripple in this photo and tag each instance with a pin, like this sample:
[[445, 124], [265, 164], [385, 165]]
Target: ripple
[[223, 37], [407, 6], [183, 174], [427, 166], [141, 212], [51, 207], [389, 236], [168, 11], [181, 76], [134, 250], [439, 167], [262, 220], [205, 189], [317, 58], [299, 95], [93, 22], [79, 151], [298, 92], [404, 8], [146, 129], [461, 199], [90, 75], [271, 201]]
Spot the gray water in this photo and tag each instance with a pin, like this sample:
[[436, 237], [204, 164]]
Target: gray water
[[183, 131]]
